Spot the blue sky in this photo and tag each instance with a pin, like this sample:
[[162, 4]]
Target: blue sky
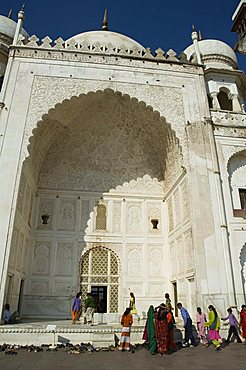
[[155, 23]]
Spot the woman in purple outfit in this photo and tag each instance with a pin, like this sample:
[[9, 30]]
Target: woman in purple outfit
[[234, 325], [76, 309]]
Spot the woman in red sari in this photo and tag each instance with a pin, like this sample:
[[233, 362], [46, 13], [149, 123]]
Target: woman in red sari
[[161, 329], [243, 321]]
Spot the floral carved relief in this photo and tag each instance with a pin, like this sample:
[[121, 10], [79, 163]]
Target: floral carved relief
[[64, 259], [135, 263], [67, 215], [134, 219], [41, 259]]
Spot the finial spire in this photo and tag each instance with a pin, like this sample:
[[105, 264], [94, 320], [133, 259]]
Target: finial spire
[[194, 36], [10, 13], [105, 21]]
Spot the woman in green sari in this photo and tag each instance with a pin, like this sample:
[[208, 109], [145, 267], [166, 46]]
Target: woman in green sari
[[151, 330]]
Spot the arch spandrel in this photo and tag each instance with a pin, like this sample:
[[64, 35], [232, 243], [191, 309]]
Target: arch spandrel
[[54, 92], [238, 155]]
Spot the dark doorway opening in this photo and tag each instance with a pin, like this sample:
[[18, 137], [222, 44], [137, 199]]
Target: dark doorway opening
[[20, 295], [175, 294], [100, 296]]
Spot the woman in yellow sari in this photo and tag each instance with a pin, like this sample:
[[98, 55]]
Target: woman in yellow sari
[[214, 326], [132, 306]]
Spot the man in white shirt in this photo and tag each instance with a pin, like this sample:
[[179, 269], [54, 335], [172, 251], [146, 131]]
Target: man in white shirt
[[8, 317]]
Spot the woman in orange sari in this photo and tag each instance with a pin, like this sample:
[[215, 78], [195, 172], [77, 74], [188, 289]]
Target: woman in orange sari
[[126, 322]]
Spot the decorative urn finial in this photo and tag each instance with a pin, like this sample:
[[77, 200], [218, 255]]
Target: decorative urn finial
[[105, 21]]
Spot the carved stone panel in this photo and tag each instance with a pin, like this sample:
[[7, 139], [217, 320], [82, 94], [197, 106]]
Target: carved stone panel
[[67, 215], [135, 261], [39, 287], [62, 288], [155, 262], [185, 201], [189, 253], [177, 207], [156, 289], [64, 259], [19, 251], [173, 259], [24, 256], [41, 258], [116, 216], [134, 219], [181, 266], [170, 214], [13, 247]]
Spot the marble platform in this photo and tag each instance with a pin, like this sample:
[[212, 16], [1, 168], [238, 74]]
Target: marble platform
[[38, 333]]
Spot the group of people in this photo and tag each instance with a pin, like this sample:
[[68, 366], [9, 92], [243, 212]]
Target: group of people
[[89, 308], [213, 325], [160, 324], [159, 327]]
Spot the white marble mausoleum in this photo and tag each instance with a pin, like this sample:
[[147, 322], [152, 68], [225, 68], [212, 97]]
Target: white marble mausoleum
[[121, 169]]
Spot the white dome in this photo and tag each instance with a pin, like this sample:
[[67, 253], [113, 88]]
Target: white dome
[[215, 54], [8, 26], [104, 38]]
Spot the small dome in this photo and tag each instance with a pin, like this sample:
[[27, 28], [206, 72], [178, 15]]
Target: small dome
[[8, 26], [215, 54], [104, 38]]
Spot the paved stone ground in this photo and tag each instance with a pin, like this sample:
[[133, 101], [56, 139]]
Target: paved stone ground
[[232, 357]]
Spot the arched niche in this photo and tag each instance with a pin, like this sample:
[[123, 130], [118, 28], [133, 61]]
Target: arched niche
[[89, 144], [237, 175], [223, 98]]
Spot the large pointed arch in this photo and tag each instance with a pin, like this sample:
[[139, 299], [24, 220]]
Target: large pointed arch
[[106, 111]]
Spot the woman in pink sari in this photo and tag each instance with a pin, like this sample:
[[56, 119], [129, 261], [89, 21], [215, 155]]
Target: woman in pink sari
[[201, 319]]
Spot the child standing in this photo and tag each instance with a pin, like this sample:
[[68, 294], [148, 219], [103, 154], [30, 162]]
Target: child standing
[[126, 322], [201, 319], [233, 329]]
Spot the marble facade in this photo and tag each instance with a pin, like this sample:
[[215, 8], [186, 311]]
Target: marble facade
[[116, 172]]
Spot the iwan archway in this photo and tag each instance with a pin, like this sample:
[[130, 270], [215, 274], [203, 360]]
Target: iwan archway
[[86, 152]]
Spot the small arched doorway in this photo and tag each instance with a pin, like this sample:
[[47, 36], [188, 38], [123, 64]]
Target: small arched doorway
[[100, 275]]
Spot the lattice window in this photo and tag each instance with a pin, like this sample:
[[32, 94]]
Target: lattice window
[[84, 290], [114, 298], [99, 261], [113, 265], [100, 267], [114, 279], [101, 217], [85, 264]]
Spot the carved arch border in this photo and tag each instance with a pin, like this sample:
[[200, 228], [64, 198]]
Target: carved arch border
[[35, 118], [233, 155], [242, 263]]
